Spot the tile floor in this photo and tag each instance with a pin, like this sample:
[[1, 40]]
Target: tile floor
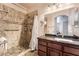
[[15, 51], [31, 53]]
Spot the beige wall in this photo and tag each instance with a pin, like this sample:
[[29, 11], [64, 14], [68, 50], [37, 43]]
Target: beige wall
[[11, 25], [26, 33], [41, 17]]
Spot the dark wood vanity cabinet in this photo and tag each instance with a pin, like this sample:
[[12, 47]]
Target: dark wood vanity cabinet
[[48, 48], [53, 48]]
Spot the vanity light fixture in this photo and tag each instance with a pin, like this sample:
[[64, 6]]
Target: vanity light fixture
[[50, 6]]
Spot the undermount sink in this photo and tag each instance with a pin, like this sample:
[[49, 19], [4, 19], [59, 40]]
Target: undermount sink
[[62, 39]]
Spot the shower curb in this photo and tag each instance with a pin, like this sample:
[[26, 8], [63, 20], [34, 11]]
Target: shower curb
[[24, 52]]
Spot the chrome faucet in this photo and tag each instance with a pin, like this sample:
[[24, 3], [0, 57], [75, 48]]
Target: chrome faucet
[[61, 34], [58, 33]]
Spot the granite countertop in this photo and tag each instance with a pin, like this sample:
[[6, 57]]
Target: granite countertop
[[62, 40]]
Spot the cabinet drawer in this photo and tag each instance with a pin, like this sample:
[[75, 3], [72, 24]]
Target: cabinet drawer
[[53, 52], [42, 42], [42, 48], [67, 54], [40, 53], [71, 50], [54, 45]]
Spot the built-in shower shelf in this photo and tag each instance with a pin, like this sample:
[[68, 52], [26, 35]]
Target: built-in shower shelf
[[3, 11], [12, 30]]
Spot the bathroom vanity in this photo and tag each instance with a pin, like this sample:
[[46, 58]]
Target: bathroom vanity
[[51, 45]]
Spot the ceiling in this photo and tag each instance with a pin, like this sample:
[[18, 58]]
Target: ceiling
[[29, 7]]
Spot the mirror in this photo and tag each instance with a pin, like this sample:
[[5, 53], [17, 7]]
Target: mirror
[[61, 24]]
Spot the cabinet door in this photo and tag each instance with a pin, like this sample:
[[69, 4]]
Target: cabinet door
[[53, 52], [41, 53], [42, 48]]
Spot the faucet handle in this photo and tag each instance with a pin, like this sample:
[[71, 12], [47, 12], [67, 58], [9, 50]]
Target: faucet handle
[[62, 35]]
